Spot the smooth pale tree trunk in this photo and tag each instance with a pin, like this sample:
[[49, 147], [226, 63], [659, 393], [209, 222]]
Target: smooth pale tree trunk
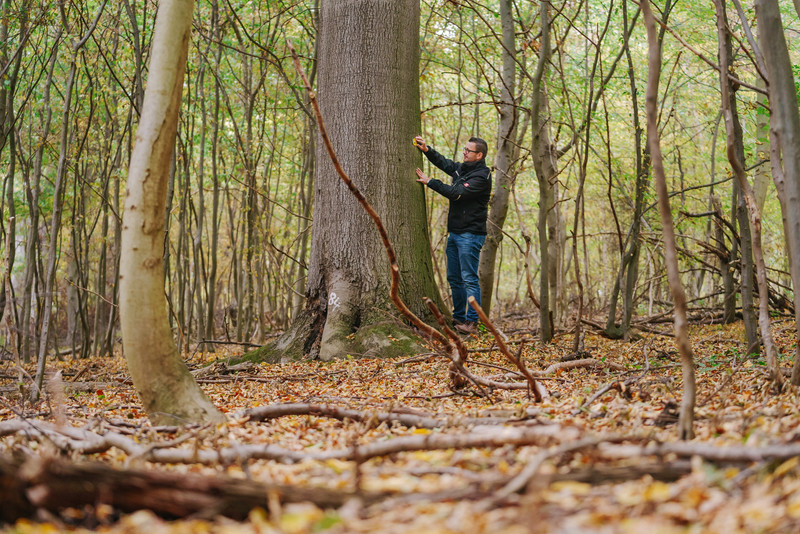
[[167, 389], [736, 157], [785, 128], [368, 92], [686, 418], [504, 159]]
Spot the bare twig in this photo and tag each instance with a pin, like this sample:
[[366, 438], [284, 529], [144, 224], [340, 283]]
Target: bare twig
[[538, 390]]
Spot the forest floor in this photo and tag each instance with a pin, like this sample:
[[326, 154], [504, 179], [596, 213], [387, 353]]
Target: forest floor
[[590, 470]]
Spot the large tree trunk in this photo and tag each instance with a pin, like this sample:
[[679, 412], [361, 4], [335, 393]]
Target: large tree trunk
[[685, 423], [504, 159], [167, 389], [368, 85], [785, 125]]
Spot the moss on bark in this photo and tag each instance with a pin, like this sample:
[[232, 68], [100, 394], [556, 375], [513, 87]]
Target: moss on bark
[[385, 339]]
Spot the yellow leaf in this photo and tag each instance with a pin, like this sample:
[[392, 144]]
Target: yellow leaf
[[793, 508], [299, 518], [694, 496], [421, 431], [787, 466], [578, 488], [731, 472], [657, 492], [338, 466]]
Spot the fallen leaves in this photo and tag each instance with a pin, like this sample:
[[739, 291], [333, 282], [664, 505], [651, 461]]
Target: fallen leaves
[[739, 411]]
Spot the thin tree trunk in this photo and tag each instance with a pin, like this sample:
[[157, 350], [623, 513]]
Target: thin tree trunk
[[579, 215], [505, 176], [55, 223], [686, 421], [32, 244], [544, 161], [785, 125], [735, 157], [211, 281]]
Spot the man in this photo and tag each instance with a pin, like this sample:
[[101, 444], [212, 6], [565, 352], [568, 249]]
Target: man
[[466, 222]]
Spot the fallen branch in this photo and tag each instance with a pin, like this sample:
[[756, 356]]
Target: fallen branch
[[274, 411], [531, 470], [618, 385], [731, 454], [580, 364], [82, 441], [53, 484], [539, 392]]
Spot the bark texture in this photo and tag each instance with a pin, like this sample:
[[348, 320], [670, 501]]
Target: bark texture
[[545, 165], [164, 384], [368, 92], [504, 160], [735, 150], [686, 421], [785, 127]]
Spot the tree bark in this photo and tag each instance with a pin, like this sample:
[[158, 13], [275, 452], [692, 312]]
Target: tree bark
[[544, 161], [164, 384], [736, 157], [504, 160], [785, 126], [54, 484], [369, 97], [686, 421], [735, 136]]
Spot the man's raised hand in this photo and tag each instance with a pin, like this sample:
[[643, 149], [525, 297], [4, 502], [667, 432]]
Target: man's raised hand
[[422, 177], [420, 143]]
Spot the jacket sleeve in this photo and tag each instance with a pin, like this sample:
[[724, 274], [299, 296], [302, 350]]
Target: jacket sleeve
[[447, 165], [472, 187]]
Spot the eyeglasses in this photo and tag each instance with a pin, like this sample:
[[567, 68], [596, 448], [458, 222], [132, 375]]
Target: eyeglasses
[[473, 151]]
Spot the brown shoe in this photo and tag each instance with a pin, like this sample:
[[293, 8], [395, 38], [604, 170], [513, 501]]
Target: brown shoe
[[467, 328]]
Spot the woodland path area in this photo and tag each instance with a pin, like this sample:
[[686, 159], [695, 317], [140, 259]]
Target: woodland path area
[[386, 446]]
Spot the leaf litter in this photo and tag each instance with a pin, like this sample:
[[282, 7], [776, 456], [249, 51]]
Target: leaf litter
[[602, 487]]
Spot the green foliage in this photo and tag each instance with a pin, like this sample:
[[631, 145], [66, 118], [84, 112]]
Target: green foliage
[[244, 135]]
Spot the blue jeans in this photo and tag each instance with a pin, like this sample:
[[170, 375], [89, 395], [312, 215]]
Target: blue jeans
[[463, 253]]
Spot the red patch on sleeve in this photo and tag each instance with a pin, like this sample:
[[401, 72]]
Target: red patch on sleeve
[[466, 185]]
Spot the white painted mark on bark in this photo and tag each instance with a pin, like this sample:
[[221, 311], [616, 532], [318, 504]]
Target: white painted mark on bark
[[334, 301]]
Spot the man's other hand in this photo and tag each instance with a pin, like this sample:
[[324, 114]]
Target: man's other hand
[[420, 143], [422, 177]]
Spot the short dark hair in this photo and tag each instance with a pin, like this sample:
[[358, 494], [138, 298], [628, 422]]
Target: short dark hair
[[480, 144]]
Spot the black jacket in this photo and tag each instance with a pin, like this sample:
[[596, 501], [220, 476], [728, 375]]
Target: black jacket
[[469, 193]]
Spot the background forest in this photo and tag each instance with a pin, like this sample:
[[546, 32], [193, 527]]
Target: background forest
[[287, 113], [241, 192]]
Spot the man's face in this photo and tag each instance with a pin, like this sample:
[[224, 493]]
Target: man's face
[[471, 153]]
